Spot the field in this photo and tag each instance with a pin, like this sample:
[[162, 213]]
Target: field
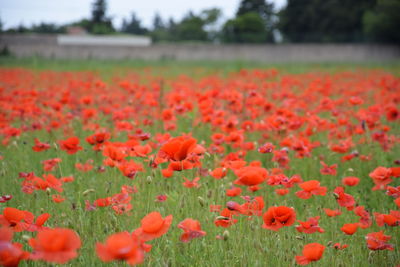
[[264, 159]]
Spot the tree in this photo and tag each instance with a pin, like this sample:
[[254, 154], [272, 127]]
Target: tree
[[100, 23], [191, 28], [323, 20], [133, 26], [211, 17], [247, 28], [382, 23], [254, 23]]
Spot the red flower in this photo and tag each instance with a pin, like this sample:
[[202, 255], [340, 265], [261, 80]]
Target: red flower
[[121, 246], [311, 252], [250, 176], [350, 181], [381, 177], [57, 245], [153, 226], [310, 188], [377, 241], [39, 146], [10, 253], [349, 228], [332, 213], [278, 217], [233, 191], [310, 226], [70, 145], [191, 228], [190, 184]]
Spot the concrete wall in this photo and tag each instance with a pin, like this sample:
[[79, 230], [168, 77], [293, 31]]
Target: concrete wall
[[47, 46]]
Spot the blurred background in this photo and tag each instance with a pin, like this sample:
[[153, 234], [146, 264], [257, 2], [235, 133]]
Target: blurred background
[[214, 22]]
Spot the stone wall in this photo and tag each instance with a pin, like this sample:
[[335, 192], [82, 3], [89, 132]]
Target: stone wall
[[47, 46]]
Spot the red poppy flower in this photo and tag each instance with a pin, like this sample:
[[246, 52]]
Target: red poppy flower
[[311, 252], [70, 145], [250, 175], [377, 241], [233, 192], [381, 177], [58, 245], [350, 181], [310, 226], [39, 146], [310, 188], [121, 246], [10, 253], [191, 228], [332, 213], [349, 228], [153, 226], [278, 217]]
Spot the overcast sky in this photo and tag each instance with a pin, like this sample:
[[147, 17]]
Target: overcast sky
[[15, 12]]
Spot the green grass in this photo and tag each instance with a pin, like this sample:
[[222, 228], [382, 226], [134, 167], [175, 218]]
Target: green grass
[[248, 243]]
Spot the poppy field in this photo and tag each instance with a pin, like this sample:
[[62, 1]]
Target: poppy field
[[247, 167]]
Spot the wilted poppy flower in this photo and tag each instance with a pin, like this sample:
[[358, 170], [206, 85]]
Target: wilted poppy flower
[[311, 252], [310, 188], [70, 145], [58, 245], [121, 246], [377, 241], [153, 226], [278, 217], [191, 228]]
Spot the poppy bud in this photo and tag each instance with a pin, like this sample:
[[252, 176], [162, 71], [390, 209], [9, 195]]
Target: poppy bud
[[299, 237], [26, 237], [201, 201], [48, 191], [336, 195], [222, 218], [88, 191], [225, 235], [149, 179]]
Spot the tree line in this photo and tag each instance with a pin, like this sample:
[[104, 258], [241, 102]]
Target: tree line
[[256, 21]]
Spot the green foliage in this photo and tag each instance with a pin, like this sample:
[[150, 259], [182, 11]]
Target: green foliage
[[247, 28], [133, 26], [254, 23], [323, 20], [382, 23], [191, 28]]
